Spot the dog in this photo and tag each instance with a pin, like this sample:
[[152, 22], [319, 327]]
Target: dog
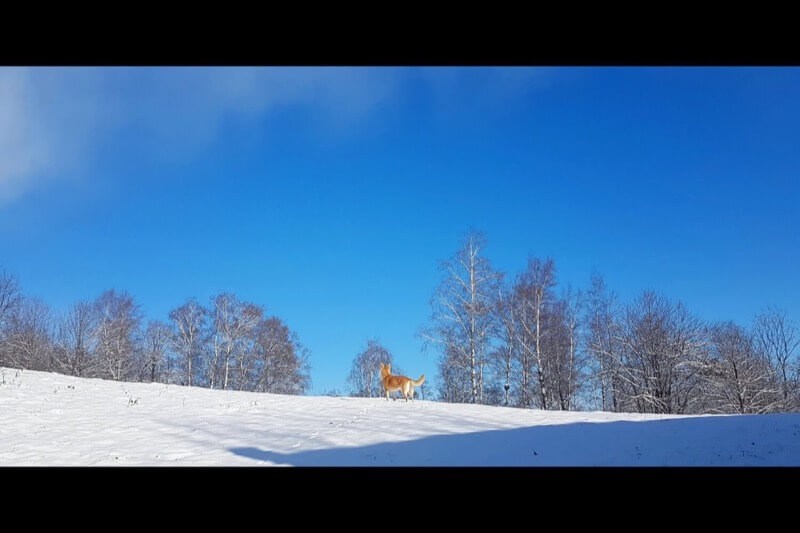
[[398, 383]]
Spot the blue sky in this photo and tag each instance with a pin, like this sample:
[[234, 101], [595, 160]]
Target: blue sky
[[329, 195]]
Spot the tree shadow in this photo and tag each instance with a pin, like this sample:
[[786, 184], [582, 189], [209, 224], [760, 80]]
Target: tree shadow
[[757, 440]]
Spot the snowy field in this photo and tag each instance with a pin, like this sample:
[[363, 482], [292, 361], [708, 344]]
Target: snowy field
[[51, 419]]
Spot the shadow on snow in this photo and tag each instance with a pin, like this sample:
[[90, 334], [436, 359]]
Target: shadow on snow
[[757, 440]]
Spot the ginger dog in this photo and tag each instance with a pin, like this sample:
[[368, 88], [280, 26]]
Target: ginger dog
[[394, 383]]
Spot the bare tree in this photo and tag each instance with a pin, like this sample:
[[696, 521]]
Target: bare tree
[[153, 360], [740, 378], [273, 347], [524, 342], [533, 293], [75, 342], [663, 348], [603, 342], [562, 348], [453, 380], [29, 335], [118, 318], [506, 354], [462, 318], [280, 363], [9, 294], [364, 378], [246, 359], [10, 299], [233, 321], [187, 338], [779, 339]]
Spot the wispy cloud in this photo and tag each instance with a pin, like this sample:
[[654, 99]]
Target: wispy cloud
[[489, 86], [51, 119], [21, 152], [48, 122]]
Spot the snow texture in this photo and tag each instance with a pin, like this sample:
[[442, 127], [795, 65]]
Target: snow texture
[[52, 419]]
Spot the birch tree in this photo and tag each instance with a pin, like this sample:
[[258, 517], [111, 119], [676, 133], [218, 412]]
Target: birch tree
[[187, 337], [533, 295], [461, 322], [603, 342], [118, 319], [563, 350], [233, 322], [506, 355]]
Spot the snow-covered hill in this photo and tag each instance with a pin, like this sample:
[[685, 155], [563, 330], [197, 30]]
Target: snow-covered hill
[[51, 419]]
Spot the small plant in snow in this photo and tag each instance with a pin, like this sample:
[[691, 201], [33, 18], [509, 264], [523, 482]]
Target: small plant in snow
[[131, 400], [13, 380]]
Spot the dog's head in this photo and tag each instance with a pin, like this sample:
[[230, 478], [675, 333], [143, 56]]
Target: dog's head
[[386, 370]]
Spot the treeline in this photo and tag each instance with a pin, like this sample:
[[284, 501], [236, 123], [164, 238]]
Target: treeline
[[523, 341], [228, 344]]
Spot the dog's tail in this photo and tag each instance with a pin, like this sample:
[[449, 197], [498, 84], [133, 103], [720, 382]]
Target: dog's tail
[[419, 382]]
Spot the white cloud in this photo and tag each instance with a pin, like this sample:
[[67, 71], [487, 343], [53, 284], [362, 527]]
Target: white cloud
[[21, 153], [47, 120], [51, 119]]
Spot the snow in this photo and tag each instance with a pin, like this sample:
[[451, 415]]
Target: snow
[[52, 419]]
